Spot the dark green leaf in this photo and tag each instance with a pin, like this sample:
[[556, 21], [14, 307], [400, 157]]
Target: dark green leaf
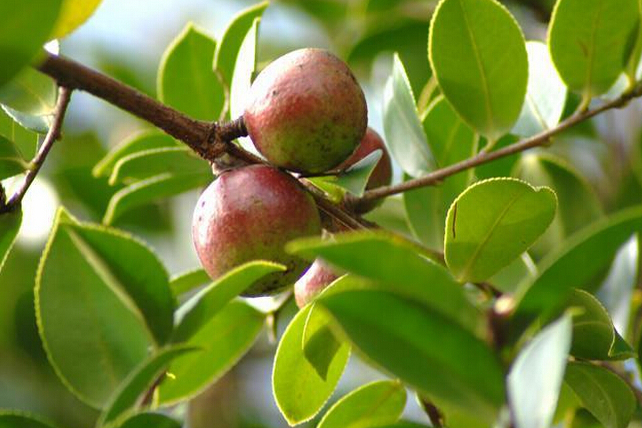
[[404, 135], [17, 419], [92, 331], [355, 178], [591, 42], [298, 389], [478, 55], [480, 242], [25, 140], [11, 161], [150, 420], [422, 279], [602, 393], [421, 347], [9, 227], [188, 281], [200, 309], [30, 99], [319, 343], [374, 404], [24, 27], [536, 376], [140, 381], [152, 189], [228, 49], [223, 340], [185, 77], [147, 140]]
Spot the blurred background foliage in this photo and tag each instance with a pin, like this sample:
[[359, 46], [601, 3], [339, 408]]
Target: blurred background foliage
[[126, 39]]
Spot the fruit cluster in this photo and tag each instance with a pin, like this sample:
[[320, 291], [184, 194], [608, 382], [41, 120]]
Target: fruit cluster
[[307, 114]]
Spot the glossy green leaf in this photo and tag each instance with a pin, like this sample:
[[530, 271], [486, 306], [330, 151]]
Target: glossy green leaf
[[149, 163], [617, 289], [188, 281], [223, 340], [602, 393], [502, 167], [11, 161], [355, 178], [24, 139], [594, 337], [298, 389], [545, 96], [478, 54], [636, 54], [397, 335], [152, 189], [202, 307], [185, 77], [9, 227], [140, 381], [581, 263], [24, 27], [147, 140], [591, 41], [18, 419], [578, 204], [478, 242], [319, 343], [228, 49], [150, 420], [377, 403], [422, 279], [72, 15], [405, 138], [92, 330], [30, 99], [451, 140], [244, 71], [536, 376]]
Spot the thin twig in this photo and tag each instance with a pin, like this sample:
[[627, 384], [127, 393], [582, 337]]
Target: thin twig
[[53, 134], [485, 157]]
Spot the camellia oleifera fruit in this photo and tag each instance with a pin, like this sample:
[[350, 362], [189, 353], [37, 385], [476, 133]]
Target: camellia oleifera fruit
[[306, 111], [313, 282], [382, 173], [250, 213]]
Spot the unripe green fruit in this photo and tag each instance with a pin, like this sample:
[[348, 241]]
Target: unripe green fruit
[[306, 111], [250, 213], [381, 175], [313, 282]]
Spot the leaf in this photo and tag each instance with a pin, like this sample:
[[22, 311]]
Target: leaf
[[377, 403], [24, 27], [202, 307], [319, 342], [30, 100], [101, 299], [227, 51], [72, 15], [298, 389], [19, 419], [636, 53], [508, 279], [355, 178], [139, 382], [11, 161], [149, 163], [578, 264], [451, 140], [421, 347], [545, 96], [404, 136], [578, 205], [224, 339], [9, 226], [422, 279], [188, 281], [536, 376], [617, 289], [185, 77], [591, 42], [143, 141], [244, 70], [151, 189], [478, 242], [478, 55], [150, 420], [602, 393], [25, 140]]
